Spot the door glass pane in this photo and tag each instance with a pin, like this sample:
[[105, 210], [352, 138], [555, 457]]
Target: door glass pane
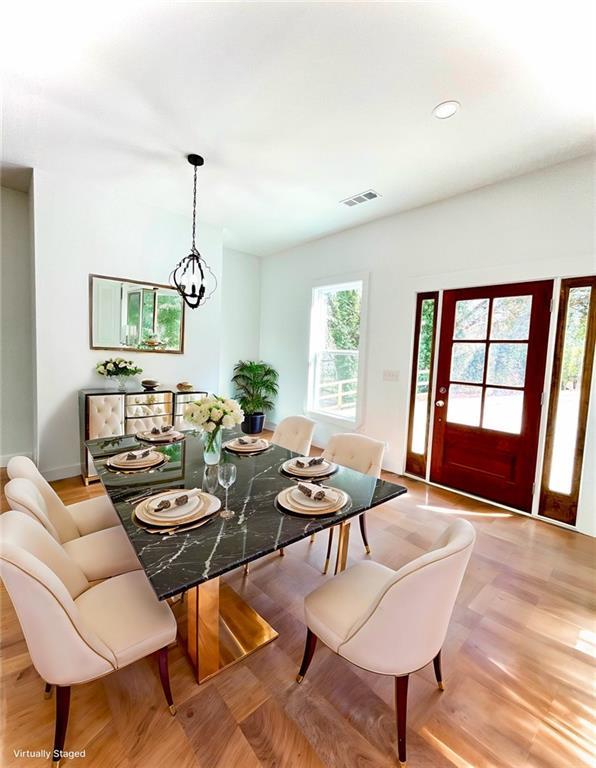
[[511, 317], [503, 410], [566, 420], [464, 404], [471, 319], [467, 362], [423, 373], [507, 364]]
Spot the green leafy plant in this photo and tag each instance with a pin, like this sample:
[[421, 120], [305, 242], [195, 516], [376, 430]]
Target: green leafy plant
[[256, 385]]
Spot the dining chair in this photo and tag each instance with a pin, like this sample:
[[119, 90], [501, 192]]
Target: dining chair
[[391, 622], [88, 516], [77, 632], [100, 555], [294, 433], [362, 454]]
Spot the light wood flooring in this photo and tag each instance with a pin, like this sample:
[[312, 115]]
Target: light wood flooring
[[517, 663]]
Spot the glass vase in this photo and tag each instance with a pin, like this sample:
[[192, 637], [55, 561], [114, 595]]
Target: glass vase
[[121, 383], [211, 446]]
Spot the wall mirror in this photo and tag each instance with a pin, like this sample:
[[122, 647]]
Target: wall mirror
[[132, 315]]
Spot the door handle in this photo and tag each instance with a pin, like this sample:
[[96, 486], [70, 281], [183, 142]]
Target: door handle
[[440, 403]]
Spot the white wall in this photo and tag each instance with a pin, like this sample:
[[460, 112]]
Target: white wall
[[82, 229], [16, 358], [241, 312], [535, 226]]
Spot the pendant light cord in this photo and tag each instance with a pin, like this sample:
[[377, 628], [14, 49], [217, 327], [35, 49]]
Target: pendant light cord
[[194, 210]]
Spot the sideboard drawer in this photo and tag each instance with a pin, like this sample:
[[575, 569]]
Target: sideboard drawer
[[142, 411], [146, 423], [151, 398]]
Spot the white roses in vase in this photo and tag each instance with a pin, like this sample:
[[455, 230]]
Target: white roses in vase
[[212, 414]]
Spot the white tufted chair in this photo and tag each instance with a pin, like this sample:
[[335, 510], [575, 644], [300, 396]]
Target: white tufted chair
[[391, 622], [294, 433], [100, 555], [76, 632], [362, 454], [88, 516]]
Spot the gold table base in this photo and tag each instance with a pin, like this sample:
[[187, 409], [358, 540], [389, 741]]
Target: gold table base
[[221, 628]]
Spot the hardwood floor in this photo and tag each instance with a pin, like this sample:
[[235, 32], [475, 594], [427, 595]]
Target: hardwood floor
[[517, 666]]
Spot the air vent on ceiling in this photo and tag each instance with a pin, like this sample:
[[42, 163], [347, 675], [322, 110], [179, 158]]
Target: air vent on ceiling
[[363, 197]]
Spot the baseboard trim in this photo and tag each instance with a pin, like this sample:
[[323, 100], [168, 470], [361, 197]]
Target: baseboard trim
[[61, 473], [8, 456]]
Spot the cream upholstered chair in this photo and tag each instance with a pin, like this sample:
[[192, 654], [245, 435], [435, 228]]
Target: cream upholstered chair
[[391, 622], [100, 555], [294, 433], [76, 632], [362, 454], [88, 516]]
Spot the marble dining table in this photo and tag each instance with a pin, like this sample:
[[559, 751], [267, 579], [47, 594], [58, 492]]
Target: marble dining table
[[221, 628]]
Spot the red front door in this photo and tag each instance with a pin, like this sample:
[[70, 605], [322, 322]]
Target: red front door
[[490, 377]]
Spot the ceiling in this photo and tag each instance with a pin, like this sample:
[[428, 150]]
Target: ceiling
[[295, 106]]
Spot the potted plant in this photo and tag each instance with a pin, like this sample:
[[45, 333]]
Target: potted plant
[[256, 386]]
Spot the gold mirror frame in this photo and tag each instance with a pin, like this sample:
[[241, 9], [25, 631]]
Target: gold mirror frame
[[146, 284]]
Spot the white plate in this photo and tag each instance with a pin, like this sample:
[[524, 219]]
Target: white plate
[[210, 504], [165, 437], [330, 500], [121, 462], [319, 470], [258, 445], [192, 505], [285, 500]]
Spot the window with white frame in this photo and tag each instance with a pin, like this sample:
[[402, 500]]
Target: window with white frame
[[335, 349]]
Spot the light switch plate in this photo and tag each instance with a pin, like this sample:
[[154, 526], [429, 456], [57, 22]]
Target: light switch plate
[[390, 375]]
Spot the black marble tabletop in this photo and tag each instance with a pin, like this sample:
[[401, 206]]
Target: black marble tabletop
[[174, 563]]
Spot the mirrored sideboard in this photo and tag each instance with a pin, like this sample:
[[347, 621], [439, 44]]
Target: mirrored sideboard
[[109, 413]]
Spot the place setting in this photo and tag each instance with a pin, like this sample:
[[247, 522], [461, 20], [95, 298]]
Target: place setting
[[247, 446], [310, 500], [309, 468], [131, 462], [160, 435], [175, 511]]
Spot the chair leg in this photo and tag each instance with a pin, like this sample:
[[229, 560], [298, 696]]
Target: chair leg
[[281, 552], [362, 521], [312, 538], [328, 555], [246, 569], [438, 673], [309, 650], [164, 676], [401, 708], [47, 691], [62, 709]]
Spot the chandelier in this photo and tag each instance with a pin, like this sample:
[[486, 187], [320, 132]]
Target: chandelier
[[192, 277]]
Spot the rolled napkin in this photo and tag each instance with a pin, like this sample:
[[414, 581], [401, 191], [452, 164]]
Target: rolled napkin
[[248, 440], [318, 495], [136, 455], [166, 428], [155, 431], [309, 462], [179, 501]]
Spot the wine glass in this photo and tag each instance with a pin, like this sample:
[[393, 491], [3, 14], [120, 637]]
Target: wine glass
[[226, 474]]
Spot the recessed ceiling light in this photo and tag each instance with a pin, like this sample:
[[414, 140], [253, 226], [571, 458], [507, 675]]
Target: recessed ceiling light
[[446, 109]]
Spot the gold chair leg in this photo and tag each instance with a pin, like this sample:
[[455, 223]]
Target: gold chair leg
[[246, 569]]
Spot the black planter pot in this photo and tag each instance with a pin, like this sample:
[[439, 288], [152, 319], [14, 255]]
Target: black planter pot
[[253, 423]]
